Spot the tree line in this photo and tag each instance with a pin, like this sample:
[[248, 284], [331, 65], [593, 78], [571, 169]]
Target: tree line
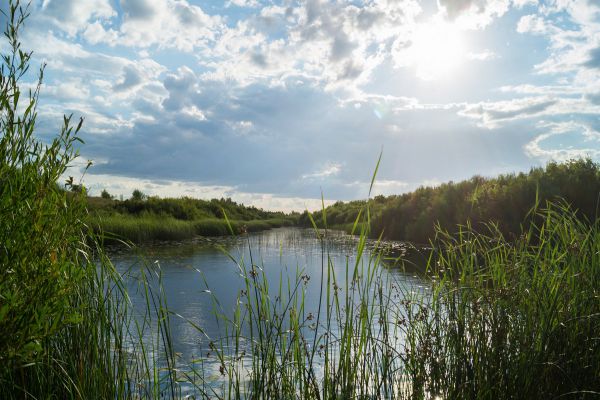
[[505, 200], [184, 208]]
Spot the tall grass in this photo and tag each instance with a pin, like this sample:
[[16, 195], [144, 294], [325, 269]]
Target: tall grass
[[518, 319], [148, 228], [67, 330], [493, 319]]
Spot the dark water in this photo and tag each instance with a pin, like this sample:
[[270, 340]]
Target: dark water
[[190, 269]]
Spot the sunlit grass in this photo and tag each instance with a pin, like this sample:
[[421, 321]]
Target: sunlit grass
[[148, 228]]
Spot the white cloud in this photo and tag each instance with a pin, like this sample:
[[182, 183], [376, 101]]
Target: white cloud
[[384, 187], [242, 3], [532, 23], [584, 143], [332, 43], [167, 24], [124, 186], [73, 16], [194, 112], [491, 114], [96, 33], [330, 169], [524, 3], [484, 55], [473, 14]]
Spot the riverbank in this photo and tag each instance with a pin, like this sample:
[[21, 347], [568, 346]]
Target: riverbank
[[139, 229], [142, 218]]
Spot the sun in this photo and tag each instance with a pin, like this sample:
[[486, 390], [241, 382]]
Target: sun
[[437, 50]]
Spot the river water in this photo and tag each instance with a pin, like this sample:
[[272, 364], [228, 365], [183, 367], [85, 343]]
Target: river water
[[201, 277]]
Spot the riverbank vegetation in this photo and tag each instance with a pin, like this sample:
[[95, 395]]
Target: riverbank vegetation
[[505, 200], [497, 319], [142, 218], [496, 316], [66, 327]]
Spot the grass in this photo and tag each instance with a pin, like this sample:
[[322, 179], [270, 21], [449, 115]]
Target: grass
[[495, 318], [67, 329], [498, 320], [148, 228]]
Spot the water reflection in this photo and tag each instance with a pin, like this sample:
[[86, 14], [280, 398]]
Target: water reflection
[[201, 277]]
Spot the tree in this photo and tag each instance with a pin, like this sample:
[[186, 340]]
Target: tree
[[106, 195], [138, 195]]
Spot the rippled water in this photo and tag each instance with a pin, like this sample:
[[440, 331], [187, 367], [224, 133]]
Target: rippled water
[[192, 268]]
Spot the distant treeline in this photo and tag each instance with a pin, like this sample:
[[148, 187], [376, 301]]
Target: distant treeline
[[142, 218], [184, 208], [505, 200]]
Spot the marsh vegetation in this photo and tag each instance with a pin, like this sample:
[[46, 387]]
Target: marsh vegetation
[[492, 315]]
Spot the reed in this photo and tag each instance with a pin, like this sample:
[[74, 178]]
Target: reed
[[149, 227], [494, 319], [67, 328], [491, 319]]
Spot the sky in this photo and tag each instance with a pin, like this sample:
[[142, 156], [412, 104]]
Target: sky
[[273, 103]]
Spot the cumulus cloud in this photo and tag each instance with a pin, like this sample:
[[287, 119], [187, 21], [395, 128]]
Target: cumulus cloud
[[242, 3], [581, 140], [572, 45], [96, 33], [329, 169], [73, 16], [492, 114], [474, 13], [167, 24], [533, 23], [216, 97]]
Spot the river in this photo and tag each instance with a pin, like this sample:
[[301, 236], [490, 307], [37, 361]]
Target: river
[[201, 277]]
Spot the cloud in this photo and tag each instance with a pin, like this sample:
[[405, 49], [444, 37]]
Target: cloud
[[384, 187], [221, 96], [242, 3], [594, 58], [167, 24], [491, 114], [572, 29], [140, 9], [124, 186], [72, 16], [330, 169], [96, 33], [580, 140], [473, 14], [484, 55], [534, 24], [131, 78]]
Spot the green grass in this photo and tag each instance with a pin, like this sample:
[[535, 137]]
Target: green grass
[[495, 318], [66, 325], [498, 319], [148, 228]]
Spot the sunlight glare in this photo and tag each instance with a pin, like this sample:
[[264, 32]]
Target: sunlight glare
[[437, 50]]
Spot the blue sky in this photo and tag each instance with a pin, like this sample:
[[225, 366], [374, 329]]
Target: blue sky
[[270, 102]]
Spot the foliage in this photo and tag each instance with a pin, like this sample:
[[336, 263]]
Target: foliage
[[65, 324], [138, 195], [178, 218], [147, 228], [497, 320], [184, 208], [505, 200], [105, 195], [40, 229]]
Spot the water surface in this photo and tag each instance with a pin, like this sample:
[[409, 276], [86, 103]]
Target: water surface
[[202, 276]]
